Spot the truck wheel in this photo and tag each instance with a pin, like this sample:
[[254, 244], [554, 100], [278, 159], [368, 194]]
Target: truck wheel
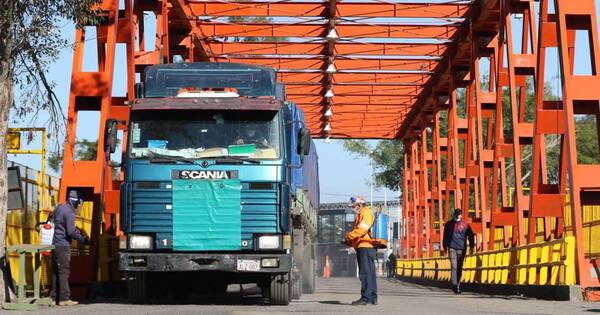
[[308, 276], [220, 289], [280, 289], [137, 287], [297, 286]]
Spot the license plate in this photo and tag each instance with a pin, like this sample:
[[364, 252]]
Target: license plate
[[248, 265]]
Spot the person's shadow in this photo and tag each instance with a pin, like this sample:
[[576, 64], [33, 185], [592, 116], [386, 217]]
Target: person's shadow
[[333, 302]]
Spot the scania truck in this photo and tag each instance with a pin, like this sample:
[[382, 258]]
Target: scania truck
[[221, 185]]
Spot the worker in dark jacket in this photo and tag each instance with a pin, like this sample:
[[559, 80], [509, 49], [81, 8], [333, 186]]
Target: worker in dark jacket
[[64, 233], [391, 264], [456, 233]]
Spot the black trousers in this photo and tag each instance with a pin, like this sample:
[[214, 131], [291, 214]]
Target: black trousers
[[391, 269], [61, 259], [366, 274], [457, 256]]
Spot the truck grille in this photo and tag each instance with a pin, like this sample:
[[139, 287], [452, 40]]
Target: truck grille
[[152, 210]]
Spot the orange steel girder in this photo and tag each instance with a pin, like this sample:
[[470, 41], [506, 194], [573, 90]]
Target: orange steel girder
[[387, 82], [579, 98], [471, 155], [92, 91], [306, 39], [223, 29], [313, 8]]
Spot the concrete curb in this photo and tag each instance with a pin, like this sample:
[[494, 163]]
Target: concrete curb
[[542, 292]]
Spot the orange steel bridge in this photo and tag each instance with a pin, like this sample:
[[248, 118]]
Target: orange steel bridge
[[383, 69]]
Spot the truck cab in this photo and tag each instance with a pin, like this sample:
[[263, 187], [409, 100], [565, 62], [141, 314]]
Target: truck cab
[[210, 197]]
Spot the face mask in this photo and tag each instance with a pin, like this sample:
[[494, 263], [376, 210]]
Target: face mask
[[75, 203], [458, 218]]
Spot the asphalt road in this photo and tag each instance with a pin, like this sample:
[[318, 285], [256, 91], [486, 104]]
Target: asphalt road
[[333, 296]]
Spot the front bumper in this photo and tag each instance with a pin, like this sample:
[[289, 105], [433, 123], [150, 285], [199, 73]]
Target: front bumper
[[140, 261]]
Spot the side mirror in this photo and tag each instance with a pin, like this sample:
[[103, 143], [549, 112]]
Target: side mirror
[[110, 135], [139, 90], [304, 142]]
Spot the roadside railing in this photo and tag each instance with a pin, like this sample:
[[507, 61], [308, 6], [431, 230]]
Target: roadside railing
[[549, 263]]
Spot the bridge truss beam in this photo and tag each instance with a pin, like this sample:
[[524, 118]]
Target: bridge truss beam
[[470, 135]]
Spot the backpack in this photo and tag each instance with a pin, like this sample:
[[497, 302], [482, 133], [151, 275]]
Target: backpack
[[378, 243]]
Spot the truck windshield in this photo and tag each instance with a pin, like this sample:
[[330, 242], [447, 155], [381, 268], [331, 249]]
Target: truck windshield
[[204, 134]]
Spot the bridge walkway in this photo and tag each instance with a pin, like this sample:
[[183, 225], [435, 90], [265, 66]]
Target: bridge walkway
[[397, 297]]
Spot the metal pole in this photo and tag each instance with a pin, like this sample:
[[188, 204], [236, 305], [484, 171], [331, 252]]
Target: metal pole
[[371, 164], [399, 217]]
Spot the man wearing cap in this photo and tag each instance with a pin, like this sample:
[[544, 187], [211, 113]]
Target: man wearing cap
[[64, 233], [361, 240], [456, 233]]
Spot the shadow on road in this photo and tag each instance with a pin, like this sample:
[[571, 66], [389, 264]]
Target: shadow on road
[[247, 296], [333, 303]]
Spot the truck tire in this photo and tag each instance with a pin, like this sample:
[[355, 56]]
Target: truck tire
[[297, 286], [279, 289], [137, 287]]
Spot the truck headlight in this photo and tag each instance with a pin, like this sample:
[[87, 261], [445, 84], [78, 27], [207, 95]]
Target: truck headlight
[[140, 242], [268, 242]]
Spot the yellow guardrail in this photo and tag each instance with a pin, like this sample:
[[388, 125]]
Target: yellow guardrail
[[40, 193], [41, 196], [549, 263]]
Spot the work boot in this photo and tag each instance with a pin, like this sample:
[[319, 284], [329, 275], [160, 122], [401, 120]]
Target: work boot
[[359, 302], [68, 303], [374, 302], [456, 289]]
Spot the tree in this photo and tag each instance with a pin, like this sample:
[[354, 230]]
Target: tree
[[255, 20], [386, 159], [587, 139], [85, 150], [386, 155], [30, 40]]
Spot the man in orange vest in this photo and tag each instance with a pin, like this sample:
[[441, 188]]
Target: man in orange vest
[[361, 240]]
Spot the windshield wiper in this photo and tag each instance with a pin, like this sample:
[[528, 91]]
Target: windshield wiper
[[161, 158], [235, 158]]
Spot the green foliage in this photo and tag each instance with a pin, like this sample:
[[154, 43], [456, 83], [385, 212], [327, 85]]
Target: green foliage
[[85, 150], [55, 161], [386, 157], [586, 129], [255, 20], [552, 143], [32, 39]]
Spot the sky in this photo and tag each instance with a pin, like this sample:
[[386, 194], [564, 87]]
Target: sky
[[341, 174]]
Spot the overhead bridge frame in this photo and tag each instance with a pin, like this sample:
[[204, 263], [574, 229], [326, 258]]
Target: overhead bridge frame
[[385, 70]]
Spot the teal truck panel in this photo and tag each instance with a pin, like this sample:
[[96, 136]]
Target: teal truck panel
[[206, 215]]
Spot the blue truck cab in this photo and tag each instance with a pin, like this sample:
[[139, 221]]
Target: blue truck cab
[[221, 183]]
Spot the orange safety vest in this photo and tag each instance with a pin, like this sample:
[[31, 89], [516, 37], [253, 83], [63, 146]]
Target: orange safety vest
[[360, 236]]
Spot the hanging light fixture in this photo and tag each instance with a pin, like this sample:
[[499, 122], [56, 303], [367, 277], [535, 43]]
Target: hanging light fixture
[[331, 68], [332, 35], [327, 127], [328, 112], [329, 93]]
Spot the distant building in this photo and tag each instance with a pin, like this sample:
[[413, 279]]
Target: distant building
[[333, 226], [335, 220]]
